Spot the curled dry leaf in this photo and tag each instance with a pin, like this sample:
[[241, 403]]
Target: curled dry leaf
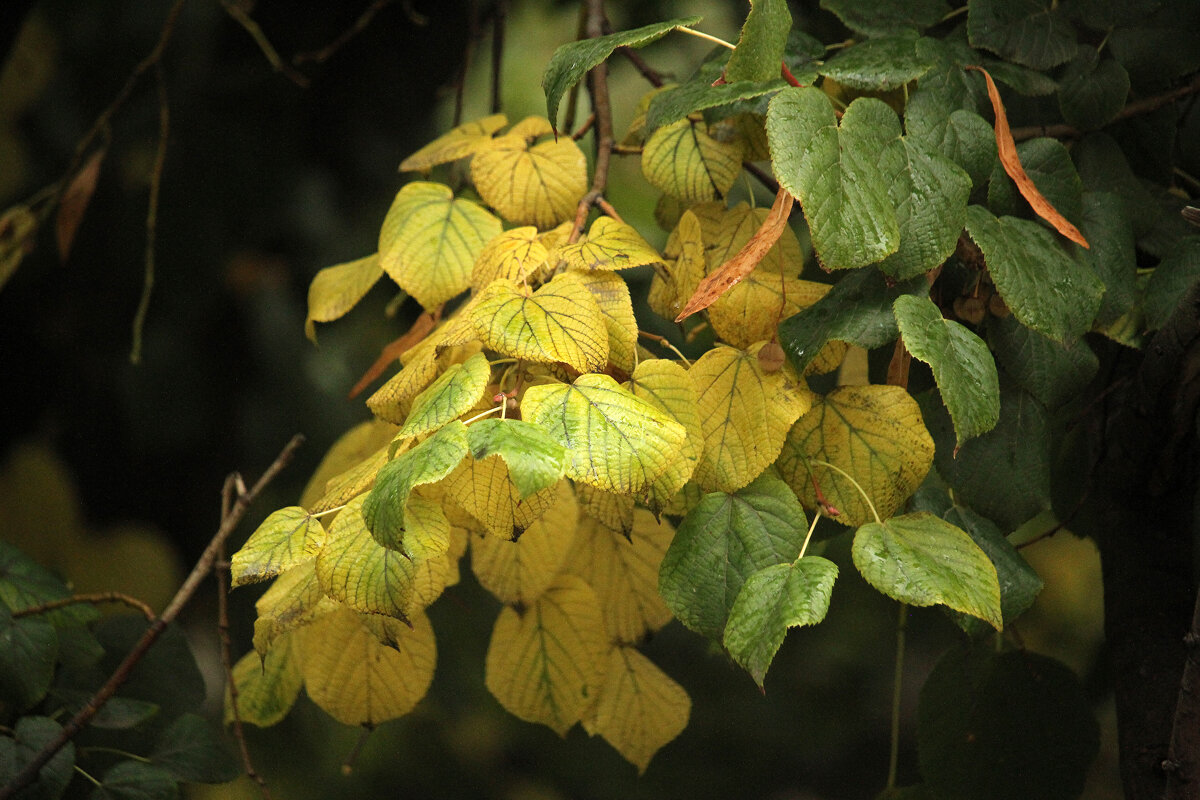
[[75, 202]]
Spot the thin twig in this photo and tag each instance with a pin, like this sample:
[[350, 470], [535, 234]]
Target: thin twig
[[499, 15], [94, 598], [235, 10], [160, 159], [203, 566], [352, 756], [763, 176], [897, 696], [460, 82], [360, 25], [584, 128], [1134, 109], [652, 76]]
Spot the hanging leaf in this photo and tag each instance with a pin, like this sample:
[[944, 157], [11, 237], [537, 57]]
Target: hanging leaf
[[698, 94], [1092, 90], [519, 571], [429, 241], [484, 489], [267, 686], [28, 652], [874, 433], [288, 537], [294, 600], [544, 663], [135, 780], [559, 322], [74, 202], [1049, 166], [614, 439], [772, 600], [535, 461], [335, 290], [393, 400], [668, 387], [684, 161], [609, 245], [18, 229], [465, 140], [759, 50], [515, 255], [453, 394], [531, 185], [668, 294]]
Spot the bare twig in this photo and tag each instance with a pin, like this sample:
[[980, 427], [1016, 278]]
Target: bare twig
[[203, 566], [94, 598], [582, 130], [234, 9], [1134, 109], [652, 76], [360, 25], [160, 158], [763, 176], [499, 15], [352, 756], [460, 83]]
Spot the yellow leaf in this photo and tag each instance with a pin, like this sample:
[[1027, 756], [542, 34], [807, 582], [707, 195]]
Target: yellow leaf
[[519, 571], [485, 491], [267, 687], [609, 245], [359, 681], [639, 708], [392, 401], [624, 574], [745, 414], [429, 241], [531, 128], [668, 387], [352, 482], [736, 226], [558, 322], [614, 439], [544, 663], [285, 539], [682, 160], [465, 140], [874, 433], [612, 298], [613, 511], [531, 185], [335, 290], [354, 447], [678, 279], [752, 310], [514, 255], [294, 600], [453, 394]]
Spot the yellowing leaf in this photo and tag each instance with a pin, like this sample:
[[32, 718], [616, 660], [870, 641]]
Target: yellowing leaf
[[294, 600], [288, 537], [727, 232], [453, 394], [485, 490], [266, 687], [352, 482], [612, 298], [624, 573], [392, 401], [639, 708], [614, 439], [335, 290], [519, 571], [682, 160], [544, 663], [559, 322], [609, 245], [745, 413], [359, 681], [671, 288], [514, 255], [874, 433], [429, 241], [613, 511], [752, 310], [538, 185], [465, 140], [352, 448], [667, 386]]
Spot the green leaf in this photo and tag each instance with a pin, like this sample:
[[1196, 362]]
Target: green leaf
[[1092, 90], [1045, 288], [193, 752], [684, 161], [134, 780], [882, 17], [1019, 582], [1052, 372], [879, 65], [1103, 167], [535, 461], [922, 560], [668, 387], [1159, 46], [24, 584], [772, 600], [759, 50], [833, 171], [453, 394], [1173, 276], [267, 687], [614, 439], [696, 95], [1031, 32], [1109, 231], [386, 506], [167, 675], [288, 537], [571, 62], [1048, 165], [1023, 80], [724, 540], [962, 136], [857, 310], [962, 365], [28, 650], [28, 738], [982, 712]]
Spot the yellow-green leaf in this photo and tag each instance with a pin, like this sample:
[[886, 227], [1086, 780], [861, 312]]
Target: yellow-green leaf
[[668, 387], [288, 537], [266, 687], [429, 241], [465, 140], [745, 414], [531, 185], [359, 681], [335, 290], [294, 600], [453, 394], [544, 663], [874, 433], [515, 255], [676, 281], [352, 482], [609, 245], [639, 708], [612, 298], [352, 448], [392, 401], [485, 490], [614, 439], [682, 160]]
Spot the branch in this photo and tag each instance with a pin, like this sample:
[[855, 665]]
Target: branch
[[1136, 108], [160, 158], [602, 108], [235, 10], [91, 599], [499, 14], [652, 76], [30, 773], [360, 25]]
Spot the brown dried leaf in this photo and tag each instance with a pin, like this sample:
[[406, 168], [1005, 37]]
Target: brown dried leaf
[[75, 202]]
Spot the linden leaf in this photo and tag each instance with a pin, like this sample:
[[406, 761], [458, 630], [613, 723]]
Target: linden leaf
[[612, 298], [358, 444], [535, 461], [609, 245], [514, 255], [559, 322], [873, 433], [668, 387], [359, 681], [613, 511], [614, 439], [288, 537], [267, 687], [684, 161], [356, 570], [624, 573], [353, 482], [539, 185], [453, 394], [751, 311], [294, 600], [335, 290], [728, 231], [484, 489], [759, 50], [465, 140], [544, 663], [772, 600], [922, 560], [429, 241], [393, 400], [668, 294], [639, 707], [745, 414]]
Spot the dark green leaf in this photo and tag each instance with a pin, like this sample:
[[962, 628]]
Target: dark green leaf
[[133, 780], [723, 541], [1109, 231], [1023, 80], [982, 714], [880, 17], [119, 713], [191, 750], [1019, 583], [29, 737], [675, 104], [879, 65], [962, 365], [964, 137], [1163, 46], [1102, 167], [1103, 15], [1029, 32], [1049, 166], [572, 61], [947, 87], [1052, 372], [24, 584], [535, 461], [1170, 280], [1092, 90], [759, 51], [167, 675], [28, 650]]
